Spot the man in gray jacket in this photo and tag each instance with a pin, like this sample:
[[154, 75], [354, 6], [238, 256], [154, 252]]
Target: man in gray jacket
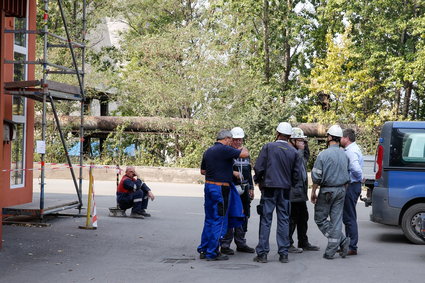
[[276, 171], [330, 172]]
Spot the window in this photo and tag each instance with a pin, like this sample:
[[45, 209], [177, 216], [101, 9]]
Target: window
[[408, 148], [17, 175]]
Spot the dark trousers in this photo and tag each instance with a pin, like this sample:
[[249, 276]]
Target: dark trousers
[[350, 215], [137, 200], [272, 198], [238, 234], [298, 221]]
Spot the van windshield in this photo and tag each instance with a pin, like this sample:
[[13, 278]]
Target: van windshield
[[407, 148]]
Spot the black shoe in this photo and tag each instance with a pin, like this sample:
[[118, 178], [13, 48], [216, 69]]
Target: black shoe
[[201, 255], [261, 258], [294, 250], [328, 256], [283, 258], [145, 214], [309, 247], [137, 215], [344, 247], [245, 249], [227, 251], [219, 257]]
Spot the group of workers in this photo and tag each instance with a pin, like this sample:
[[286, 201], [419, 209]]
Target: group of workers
[[281, 174]]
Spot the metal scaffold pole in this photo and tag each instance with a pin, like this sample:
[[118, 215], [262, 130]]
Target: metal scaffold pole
[[45, 92], [83, 50], [80, 77]]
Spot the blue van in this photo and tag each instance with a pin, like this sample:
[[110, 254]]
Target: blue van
[[398, 196]]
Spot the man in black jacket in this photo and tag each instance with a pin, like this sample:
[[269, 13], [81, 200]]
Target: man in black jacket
[[299, 212], [276, 171]]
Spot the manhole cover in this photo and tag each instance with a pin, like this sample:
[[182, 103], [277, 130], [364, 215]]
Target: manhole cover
[[178, 260], [235, 266]]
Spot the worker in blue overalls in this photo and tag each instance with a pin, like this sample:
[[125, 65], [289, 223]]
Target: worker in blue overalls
[[221, 197], [242, 178]]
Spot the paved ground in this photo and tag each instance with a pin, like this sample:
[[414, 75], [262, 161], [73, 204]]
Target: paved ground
[[163, 247]]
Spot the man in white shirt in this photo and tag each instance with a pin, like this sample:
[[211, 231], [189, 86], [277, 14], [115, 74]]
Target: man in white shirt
[[354, 154]]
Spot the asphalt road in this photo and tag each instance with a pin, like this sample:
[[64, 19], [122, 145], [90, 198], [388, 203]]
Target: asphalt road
[[163, 248]]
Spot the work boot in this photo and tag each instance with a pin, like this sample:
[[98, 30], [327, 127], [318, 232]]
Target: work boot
[[309, 247], [352, 252], [227, 251], [344, 247], [218, 257], [136, 215], [294, 250], [144, 213], [283, 258], [261, 258], [245, 249], [326, 256]]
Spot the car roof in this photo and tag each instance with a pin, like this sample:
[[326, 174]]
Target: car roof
[[409, 124]]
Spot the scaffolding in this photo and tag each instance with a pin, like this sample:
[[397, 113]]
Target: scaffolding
[[48, 91]]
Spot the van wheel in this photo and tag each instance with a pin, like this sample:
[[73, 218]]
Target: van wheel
[[411, 223]]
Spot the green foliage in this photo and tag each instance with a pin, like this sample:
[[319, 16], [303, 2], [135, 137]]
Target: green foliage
[[253, 64]]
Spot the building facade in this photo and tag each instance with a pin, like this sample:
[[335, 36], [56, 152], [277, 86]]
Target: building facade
[[16, 112]]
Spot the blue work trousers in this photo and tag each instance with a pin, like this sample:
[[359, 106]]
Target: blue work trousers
[[136, 200], [272, 198], [328, 216], [350, 214], [215, 223]]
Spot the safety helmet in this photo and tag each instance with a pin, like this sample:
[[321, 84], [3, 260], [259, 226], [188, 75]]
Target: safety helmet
[[335, 131], [297, 133], [238, 133], [284, 128]]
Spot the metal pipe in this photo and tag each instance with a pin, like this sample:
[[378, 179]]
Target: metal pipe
[[66, 40], [62, 72], [74, 61], [83, 66], [63, 68], [45, 91], [65, 148]]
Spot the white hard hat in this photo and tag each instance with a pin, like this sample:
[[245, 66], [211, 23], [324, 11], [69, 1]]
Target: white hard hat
[[335, 131], [297, 133], [284, 128], [238, 133]]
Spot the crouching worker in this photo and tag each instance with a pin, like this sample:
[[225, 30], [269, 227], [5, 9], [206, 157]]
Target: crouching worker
[[133, 193]]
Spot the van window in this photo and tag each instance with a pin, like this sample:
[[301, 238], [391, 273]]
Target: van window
[[407, 148]]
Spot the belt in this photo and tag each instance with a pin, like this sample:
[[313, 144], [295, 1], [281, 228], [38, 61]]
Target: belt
[[218, 183]]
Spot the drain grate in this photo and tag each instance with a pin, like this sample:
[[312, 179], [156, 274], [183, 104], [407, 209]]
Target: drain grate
[[178, 260]]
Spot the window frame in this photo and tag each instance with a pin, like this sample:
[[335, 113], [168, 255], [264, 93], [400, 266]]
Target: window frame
[[20, 119], [398, 156]]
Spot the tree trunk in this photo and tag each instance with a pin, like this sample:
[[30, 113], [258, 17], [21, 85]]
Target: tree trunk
[[407, 95], [397, 101], [287, 49], [267, 73]]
